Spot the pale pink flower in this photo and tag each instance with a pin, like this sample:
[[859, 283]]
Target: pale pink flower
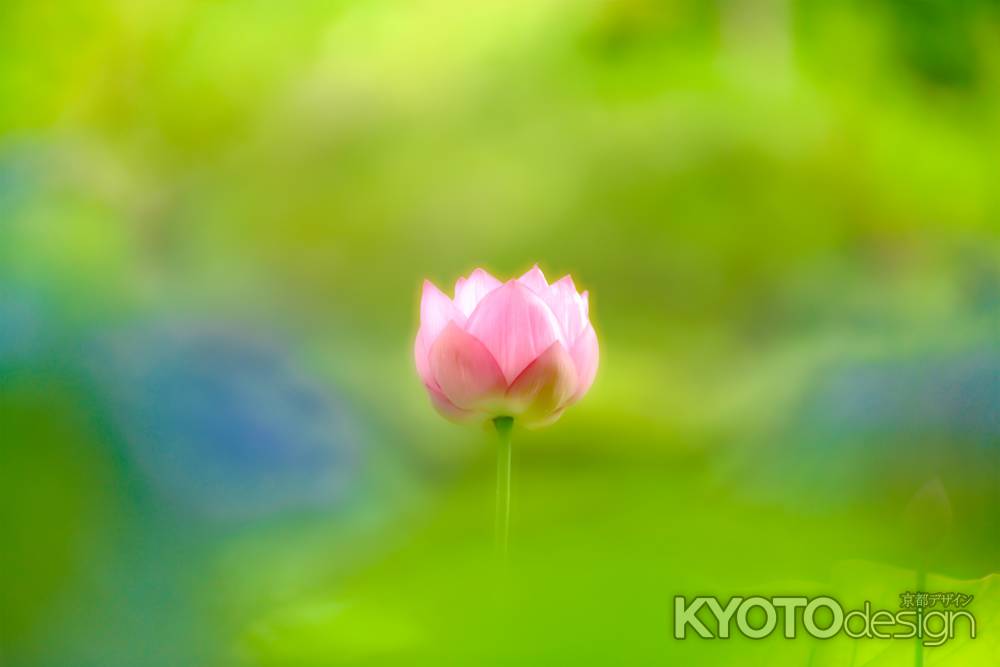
[[524, 348]]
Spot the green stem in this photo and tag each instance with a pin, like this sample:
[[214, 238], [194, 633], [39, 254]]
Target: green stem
[[503, 426], [918, 658]]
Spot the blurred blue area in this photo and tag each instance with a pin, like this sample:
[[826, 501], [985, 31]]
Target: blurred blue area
[[953, 398], [27, 324], [141, 451], [867, 434], [226, 425]]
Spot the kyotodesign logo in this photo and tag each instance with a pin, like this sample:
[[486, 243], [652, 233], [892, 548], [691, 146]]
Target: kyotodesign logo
[[823, 617]]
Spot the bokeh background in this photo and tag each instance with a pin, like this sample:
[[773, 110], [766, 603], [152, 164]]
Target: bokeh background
[[215, 217]]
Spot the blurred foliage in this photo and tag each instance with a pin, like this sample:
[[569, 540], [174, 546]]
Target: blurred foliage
[[214, 220]]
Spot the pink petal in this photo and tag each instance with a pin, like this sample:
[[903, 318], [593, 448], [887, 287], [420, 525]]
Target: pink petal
[[421, 355], [535, 280], [585, 355], [544, 386], [468, 293], [515, 325], [465, 370], [436, 311], [447, 409], [569, 307]]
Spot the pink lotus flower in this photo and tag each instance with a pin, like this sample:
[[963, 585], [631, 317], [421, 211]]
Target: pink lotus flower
[[523, 349]]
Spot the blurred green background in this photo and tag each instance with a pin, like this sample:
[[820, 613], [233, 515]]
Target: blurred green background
[[215, 217]]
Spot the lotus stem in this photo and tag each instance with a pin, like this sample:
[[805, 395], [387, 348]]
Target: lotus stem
[[503, 426], [918, 658]]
